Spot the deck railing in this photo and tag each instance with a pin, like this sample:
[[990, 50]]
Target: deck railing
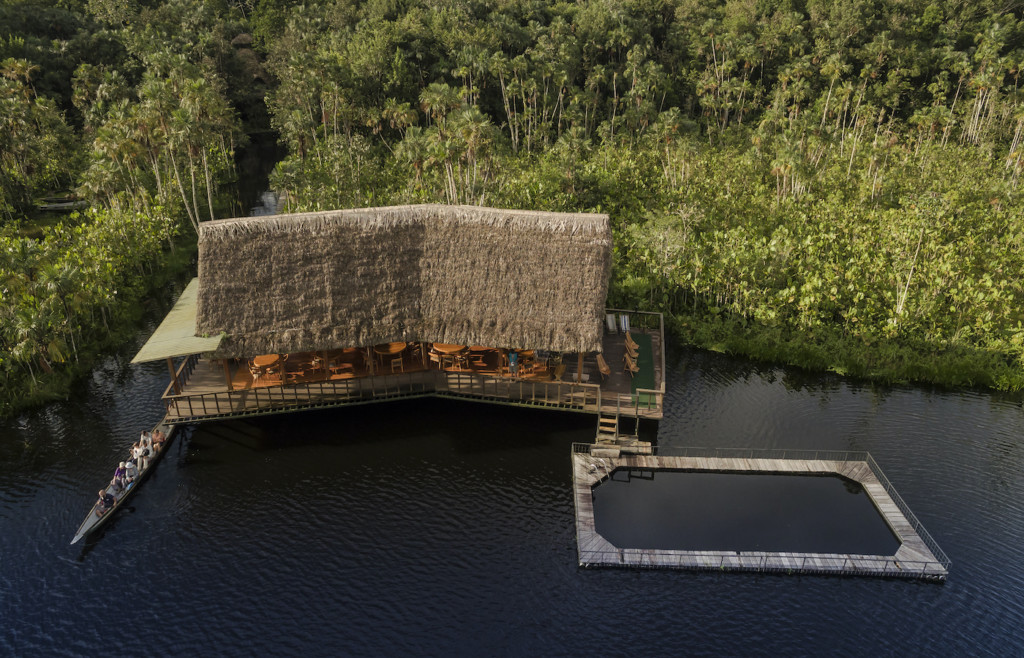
[[268, 399], [572, 395], [809, 563], [896, 498], [748, 453], [252, 401]]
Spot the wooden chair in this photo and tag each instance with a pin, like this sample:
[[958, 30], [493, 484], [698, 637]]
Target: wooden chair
[[342, 367], [559, 371], [630, 366], [602, 367], [632, 343], [632, 352], [396, 364]]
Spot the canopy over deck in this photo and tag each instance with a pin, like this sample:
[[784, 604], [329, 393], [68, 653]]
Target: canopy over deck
[[176, 334], [449, 274]]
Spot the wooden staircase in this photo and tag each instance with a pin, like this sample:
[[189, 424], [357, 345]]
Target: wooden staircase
[[608, 436], [607, 427]]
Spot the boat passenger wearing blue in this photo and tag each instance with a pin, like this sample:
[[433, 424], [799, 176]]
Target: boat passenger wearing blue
[[105, 502]]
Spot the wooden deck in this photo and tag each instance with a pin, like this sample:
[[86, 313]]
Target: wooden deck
[[205, 394], [917, 556]]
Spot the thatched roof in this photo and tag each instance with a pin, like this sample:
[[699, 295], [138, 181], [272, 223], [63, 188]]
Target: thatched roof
[[451, 274]]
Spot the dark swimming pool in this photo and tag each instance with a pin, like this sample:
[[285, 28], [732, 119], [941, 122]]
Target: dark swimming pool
[[716, 511]]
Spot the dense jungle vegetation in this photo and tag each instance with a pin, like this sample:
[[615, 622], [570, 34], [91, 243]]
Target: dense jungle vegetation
[[829, 183]]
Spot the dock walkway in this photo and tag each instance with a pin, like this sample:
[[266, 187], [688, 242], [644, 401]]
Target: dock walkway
[[917, 557]]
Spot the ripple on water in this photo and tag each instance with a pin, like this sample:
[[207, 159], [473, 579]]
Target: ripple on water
[[444, 528]]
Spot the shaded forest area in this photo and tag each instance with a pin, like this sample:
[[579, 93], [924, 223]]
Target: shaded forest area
[[832, 184]]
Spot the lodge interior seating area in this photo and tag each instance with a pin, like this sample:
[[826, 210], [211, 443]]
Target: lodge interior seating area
[[268, 370], [393, 358], [406, 359]]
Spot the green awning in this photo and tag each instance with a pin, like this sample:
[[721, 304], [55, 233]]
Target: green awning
[[176, 334]]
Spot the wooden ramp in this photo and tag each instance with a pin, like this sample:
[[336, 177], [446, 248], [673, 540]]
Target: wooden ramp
[[917, 557]]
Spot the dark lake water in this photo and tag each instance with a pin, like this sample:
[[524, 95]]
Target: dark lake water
[[440, 528], [704, 511]]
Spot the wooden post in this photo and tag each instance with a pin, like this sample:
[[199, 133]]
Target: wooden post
[[579, 369], [227, 374], [174, 376], [423, 353], [369, 359]]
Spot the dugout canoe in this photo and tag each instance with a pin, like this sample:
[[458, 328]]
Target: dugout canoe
[[93, 521]]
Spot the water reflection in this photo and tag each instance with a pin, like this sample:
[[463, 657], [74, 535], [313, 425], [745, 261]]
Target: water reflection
[[712, 511], [269, 204]]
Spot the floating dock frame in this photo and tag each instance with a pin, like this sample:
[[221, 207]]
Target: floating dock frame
[[917, 557]]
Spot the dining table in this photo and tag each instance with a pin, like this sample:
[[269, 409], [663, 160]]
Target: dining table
[[266, 360], [448, 348], [389, 349]]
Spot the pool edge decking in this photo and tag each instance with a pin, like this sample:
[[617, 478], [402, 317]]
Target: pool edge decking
[[913, 559]]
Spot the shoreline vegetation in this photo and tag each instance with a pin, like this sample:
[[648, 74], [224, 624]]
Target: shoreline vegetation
[[829, 184]]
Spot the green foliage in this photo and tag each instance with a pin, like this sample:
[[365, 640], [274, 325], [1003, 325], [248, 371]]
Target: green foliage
[[37, 150], [75, 290], [150, 94], [831, 184], [834, 185]]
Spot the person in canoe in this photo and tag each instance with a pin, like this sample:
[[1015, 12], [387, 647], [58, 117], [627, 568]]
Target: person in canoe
[[146, 443], [130, 472], [137, 457], [119, 478], [158, 439], [105, 502]]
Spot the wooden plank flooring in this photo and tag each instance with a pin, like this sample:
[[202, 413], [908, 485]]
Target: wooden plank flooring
[[912, 560]]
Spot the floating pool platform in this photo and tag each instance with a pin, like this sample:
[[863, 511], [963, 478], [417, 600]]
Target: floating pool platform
[[918, 556]]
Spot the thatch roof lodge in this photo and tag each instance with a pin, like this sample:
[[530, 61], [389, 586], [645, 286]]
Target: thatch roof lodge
[[431, 273]]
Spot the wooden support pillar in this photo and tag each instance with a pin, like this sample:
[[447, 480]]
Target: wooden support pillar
[[174, 376], [423, 353], [369, 359], [579, 369], [227, 374]]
